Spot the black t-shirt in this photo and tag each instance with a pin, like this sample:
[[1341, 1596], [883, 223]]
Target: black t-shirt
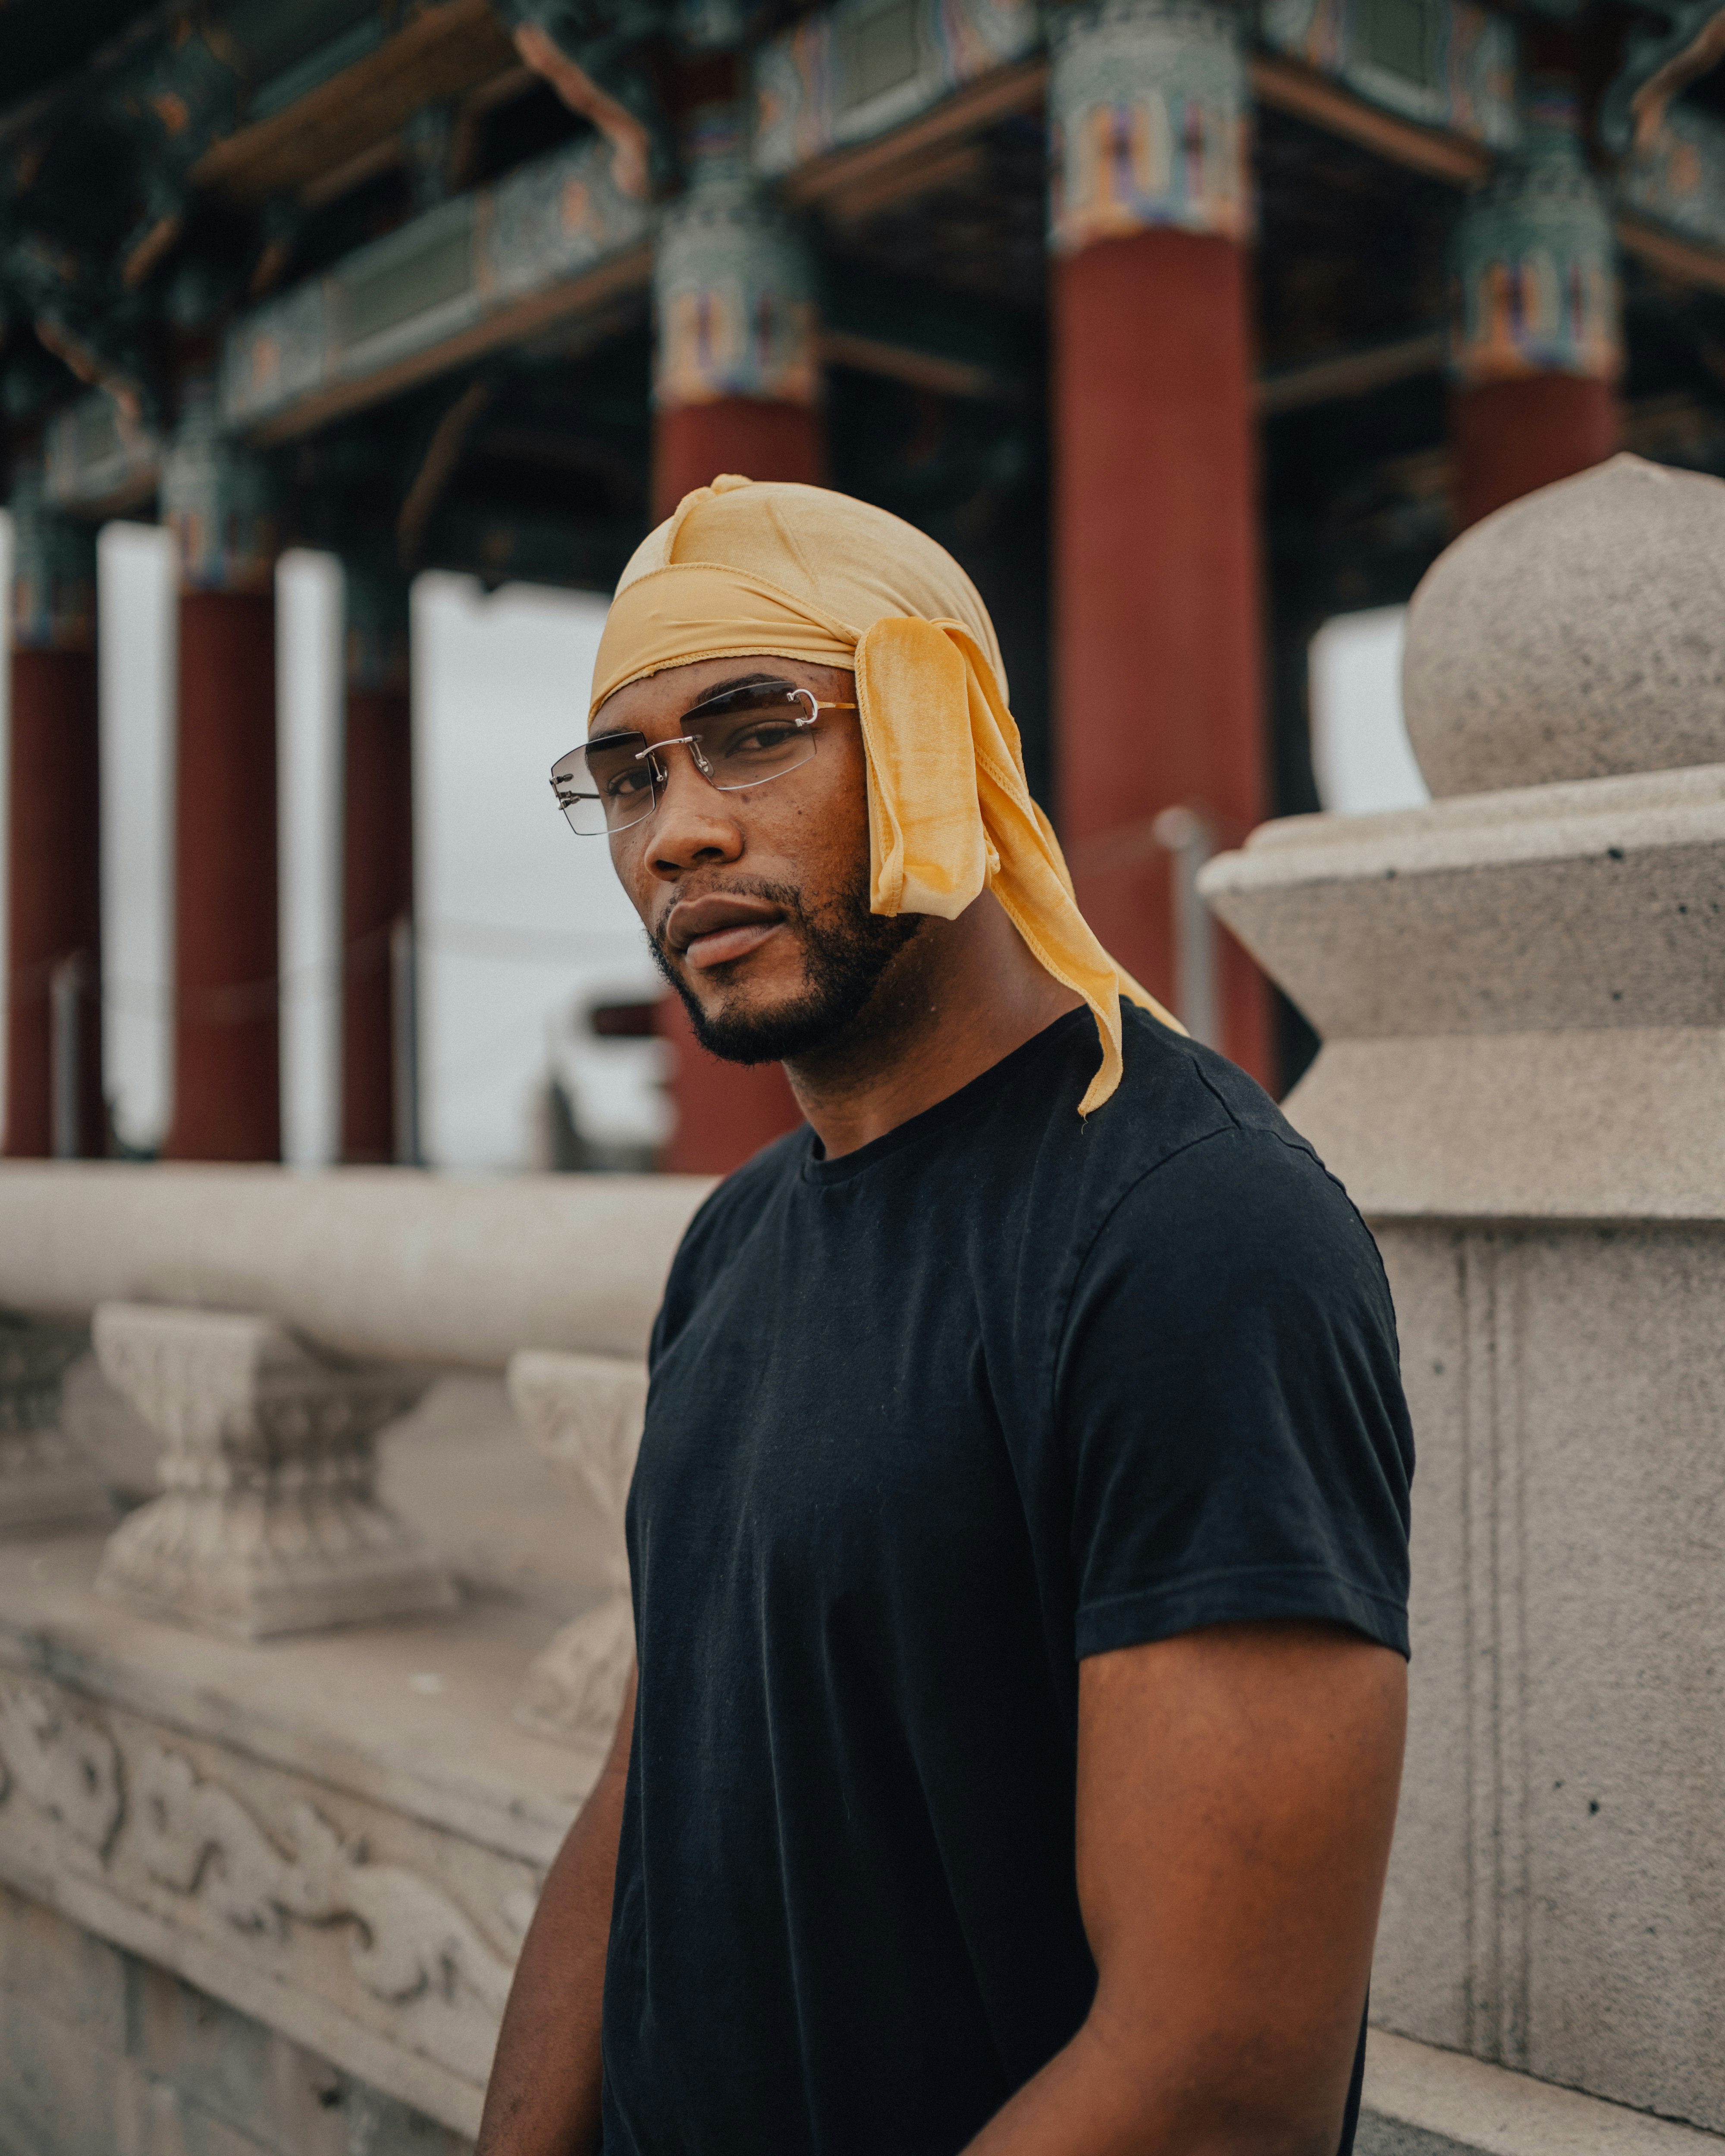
[[928, 1424]]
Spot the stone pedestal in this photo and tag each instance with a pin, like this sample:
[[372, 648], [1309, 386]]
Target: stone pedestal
[[584, 1412], [1158, 678], [1522, 1011], [268, 1522], [45, 1480]]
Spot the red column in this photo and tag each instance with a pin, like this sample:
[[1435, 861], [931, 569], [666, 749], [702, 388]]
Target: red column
[[1158, 666], [693, 444], [227, 1042], [377, 855], [227, 1054], [736, 389], [1509, 438], [52, 840], [1158, 612], [726, 1112], [1536, 337]]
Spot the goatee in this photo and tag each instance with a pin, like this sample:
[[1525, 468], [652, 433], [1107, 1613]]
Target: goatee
[[846, 948]]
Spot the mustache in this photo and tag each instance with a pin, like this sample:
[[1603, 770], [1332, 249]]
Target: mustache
[[785, 896]]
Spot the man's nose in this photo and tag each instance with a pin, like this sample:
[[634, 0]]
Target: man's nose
[[693, 824]]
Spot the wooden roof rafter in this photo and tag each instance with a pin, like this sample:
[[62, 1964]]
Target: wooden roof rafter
[[449, 51]]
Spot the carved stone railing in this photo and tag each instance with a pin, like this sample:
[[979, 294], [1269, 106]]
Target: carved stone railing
[[584, 1412], [268, 1520], [339, 1832], [390, 1264], [46, 1479]]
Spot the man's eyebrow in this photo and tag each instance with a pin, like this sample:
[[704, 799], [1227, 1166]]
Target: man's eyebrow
[[706, 696], [724, 688]]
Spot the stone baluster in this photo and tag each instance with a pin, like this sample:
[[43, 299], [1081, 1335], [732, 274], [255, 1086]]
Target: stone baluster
[[268, 1520], [584, 1412], [45, 1479], [1521, 997]]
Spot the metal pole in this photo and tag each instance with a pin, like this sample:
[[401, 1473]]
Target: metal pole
[[404, 1042], [65, 990], [1187, 838]]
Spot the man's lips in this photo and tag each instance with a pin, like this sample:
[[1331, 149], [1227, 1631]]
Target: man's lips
[[712, 931]]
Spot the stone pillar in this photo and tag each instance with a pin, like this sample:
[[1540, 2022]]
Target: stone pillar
[[377, 853], [46, 1481], [584, 1412], [53, 910], [736, 388], [1536, 329], [1158, 669], [216, 499], [268, 1521], [1522, 1014]]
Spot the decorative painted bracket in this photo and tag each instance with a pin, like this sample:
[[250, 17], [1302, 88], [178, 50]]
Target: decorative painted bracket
[[1684, 40], [584, 1412], [45, 1480], [268, 1521]]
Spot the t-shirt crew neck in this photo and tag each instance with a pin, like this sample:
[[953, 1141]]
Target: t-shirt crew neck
[[970, 1097], [928, 1424]]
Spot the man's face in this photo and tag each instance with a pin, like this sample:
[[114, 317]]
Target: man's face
[[757, 902]]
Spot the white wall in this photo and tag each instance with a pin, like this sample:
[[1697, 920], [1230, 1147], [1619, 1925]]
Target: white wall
[[518, 916], [308, 766], [1360, 755], [134, 617]]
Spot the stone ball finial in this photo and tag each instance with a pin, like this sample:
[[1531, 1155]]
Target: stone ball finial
[[1578, 633]]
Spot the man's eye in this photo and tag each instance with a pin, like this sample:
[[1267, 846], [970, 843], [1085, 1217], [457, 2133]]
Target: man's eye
[[626, 784], [764, 739]]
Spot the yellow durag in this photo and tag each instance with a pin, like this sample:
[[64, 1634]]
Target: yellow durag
[[780, 570]]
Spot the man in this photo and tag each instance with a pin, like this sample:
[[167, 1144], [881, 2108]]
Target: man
[[1018, 1539]]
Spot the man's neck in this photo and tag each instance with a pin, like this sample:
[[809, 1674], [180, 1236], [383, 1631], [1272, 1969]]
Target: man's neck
[[960, 996]]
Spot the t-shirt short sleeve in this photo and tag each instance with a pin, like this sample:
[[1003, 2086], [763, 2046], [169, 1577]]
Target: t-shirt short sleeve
[[1228, 1390]]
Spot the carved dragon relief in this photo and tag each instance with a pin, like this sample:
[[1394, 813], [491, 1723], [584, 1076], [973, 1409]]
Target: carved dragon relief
[[408, 1937], [66, 1764], [408, 1940]]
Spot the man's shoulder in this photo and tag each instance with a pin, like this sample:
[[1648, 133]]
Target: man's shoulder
[[1207, 1171], [1175, 1095], [1190, 1137]]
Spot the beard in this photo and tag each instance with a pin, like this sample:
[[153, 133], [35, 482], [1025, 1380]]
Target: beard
[[846, 948]]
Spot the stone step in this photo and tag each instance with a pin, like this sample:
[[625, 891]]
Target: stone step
[[1420, 2101]]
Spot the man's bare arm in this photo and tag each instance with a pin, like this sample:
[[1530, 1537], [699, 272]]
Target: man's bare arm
[[543, 2099], [1236, 1795]]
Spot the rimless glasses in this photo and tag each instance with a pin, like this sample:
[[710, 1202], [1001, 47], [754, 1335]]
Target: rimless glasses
[[742, 737]]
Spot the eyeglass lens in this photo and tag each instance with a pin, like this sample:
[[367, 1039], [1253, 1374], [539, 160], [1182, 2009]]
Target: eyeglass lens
[[744, 737]]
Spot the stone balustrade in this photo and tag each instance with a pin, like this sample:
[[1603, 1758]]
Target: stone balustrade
[[303, 1730], [45, 1479], [268, 1520], [390, 1264], [585, 1414]]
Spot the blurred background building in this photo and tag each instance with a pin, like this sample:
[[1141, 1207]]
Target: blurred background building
[[349, 346]]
